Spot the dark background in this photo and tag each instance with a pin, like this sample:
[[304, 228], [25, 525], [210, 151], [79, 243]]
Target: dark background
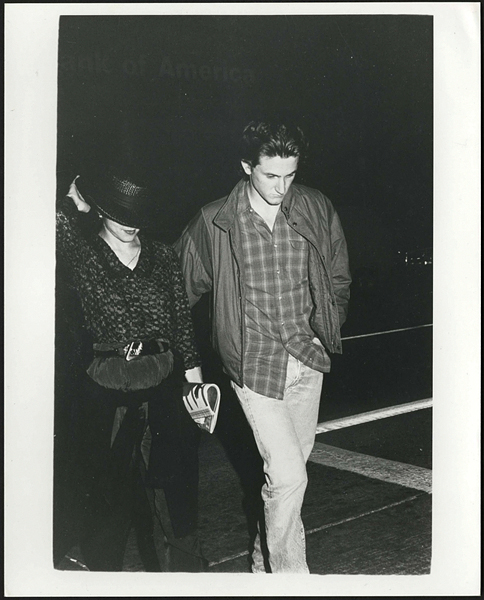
[[181, 88], [177, 91]]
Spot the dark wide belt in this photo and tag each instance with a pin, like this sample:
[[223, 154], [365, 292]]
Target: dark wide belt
[[134, 349]]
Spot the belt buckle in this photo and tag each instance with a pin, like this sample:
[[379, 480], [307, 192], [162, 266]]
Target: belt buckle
[[133, 350]]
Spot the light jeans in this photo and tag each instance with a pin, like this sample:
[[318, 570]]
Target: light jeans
[[284, 431]]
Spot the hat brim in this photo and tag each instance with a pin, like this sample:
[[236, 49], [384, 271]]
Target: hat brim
[[111, 208], [128, 218]]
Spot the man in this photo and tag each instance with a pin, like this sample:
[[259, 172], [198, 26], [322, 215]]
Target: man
[[274, 256]]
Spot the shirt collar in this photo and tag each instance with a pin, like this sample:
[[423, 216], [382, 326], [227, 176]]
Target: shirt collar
[[116, 268], [243, 202], [235, 202]]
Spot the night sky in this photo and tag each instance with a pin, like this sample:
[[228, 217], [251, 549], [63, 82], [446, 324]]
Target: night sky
[[183, 88]]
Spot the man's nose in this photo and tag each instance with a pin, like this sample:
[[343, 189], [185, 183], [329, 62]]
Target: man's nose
[[281, 186]]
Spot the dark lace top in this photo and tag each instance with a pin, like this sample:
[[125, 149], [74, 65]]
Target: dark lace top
[[121, 305]]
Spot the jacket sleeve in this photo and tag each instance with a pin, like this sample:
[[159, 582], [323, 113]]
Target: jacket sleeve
[[193, 249], [340, 268], [185, 334]]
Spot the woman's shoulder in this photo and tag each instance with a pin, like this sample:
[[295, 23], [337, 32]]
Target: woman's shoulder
[[162, 250], [159, 246]]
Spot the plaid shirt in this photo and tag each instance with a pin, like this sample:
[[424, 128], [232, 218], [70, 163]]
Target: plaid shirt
[[278, 303]]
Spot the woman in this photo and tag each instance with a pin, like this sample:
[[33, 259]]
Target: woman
[[135, 307]]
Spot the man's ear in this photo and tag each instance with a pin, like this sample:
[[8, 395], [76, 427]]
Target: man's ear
[[246, 166]]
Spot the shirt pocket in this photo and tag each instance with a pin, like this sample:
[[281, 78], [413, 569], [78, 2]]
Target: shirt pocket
[[297, 269], [300, 251], [299, 244]]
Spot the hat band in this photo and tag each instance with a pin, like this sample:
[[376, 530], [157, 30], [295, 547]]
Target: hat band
[[115, 218], [122, 201]]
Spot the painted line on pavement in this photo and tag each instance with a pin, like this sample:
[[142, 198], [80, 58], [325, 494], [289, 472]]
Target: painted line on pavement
[[327, 526], [365, 514], [373, 415], [365, 335], [228, 558], [390, 471]]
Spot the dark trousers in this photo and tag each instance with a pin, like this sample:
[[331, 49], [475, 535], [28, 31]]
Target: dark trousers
[[114, 487]]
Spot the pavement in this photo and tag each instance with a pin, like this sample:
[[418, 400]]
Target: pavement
[[367, 509], [357, 520], [368, 505]]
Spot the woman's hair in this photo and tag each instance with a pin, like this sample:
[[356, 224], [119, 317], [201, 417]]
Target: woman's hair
[[262, 138]]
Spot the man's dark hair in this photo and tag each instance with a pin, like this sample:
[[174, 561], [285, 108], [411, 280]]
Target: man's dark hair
[[262, 138]]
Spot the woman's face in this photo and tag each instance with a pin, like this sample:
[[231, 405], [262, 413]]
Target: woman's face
[[123, 233]]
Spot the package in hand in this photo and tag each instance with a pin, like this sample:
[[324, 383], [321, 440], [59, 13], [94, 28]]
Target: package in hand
[[202, 400]]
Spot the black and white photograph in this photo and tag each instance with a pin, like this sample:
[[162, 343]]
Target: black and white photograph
[[255, 275]]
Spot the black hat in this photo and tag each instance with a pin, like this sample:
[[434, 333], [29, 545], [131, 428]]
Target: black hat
[[117, 196]]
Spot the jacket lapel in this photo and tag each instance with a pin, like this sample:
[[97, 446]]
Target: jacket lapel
[[226, 215]]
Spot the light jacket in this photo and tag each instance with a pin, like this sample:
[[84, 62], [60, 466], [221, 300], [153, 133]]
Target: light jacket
[[211, 261]]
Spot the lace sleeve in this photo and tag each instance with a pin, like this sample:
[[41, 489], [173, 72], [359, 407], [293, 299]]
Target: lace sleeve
[[184, 327], [72, 245]]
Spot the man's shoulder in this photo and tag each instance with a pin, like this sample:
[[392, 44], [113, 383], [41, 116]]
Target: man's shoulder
[[219, 213], [204, 218], [311, 197], [308, 192], [212, 208]]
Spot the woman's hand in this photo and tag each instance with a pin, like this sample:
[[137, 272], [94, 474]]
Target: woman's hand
[[82, 205], [194, 375]]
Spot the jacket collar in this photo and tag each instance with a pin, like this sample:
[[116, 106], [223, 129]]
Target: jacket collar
[[226, 215]]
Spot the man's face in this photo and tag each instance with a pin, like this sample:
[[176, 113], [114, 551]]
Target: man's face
[[272, 177]]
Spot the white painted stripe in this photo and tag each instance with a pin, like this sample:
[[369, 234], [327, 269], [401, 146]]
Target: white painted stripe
[[370, 466], [327, 526], [361, 515], [373, 415], [228, 558], [364, 335]]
